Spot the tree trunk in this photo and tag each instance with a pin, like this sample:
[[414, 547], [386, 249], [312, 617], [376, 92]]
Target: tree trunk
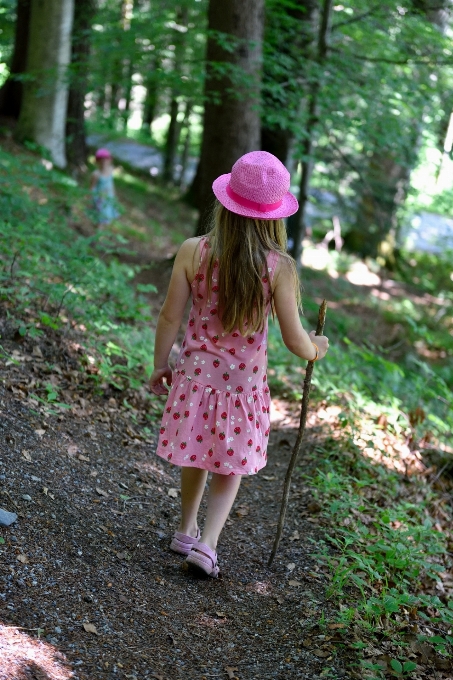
[[171, 142], [11, 90], [75, 119], [375, 218], [43, 113], [231, 123], [297, 224], [186, 146], [374, 231], [295, 42], [150, 104]]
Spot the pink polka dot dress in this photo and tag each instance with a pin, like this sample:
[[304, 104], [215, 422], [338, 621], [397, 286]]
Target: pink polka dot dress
[[217, 415]]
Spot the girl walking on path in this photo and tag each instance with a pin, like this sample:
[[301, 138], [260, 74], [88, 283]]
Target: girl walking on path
[[217, 413], [102, 189]]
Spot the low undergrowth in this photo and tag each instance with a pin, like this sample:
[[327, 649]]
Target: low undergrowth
[[389, 548], [54, 281]]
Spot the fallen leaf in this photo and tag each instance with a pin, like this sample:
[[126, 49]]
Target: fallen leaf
[[295, 536], [260, 587], [72, 449], [84, 458], [221, 615], [121, 555], [45, 490], [37, 352], [231, 672], [26, 455], [291, 566], [40, 433], [314, 506], [173, 493], [101, 492], [242, 511], [267, 478], [322, 653], [280, 599], [90, 628], [23, 559], [294, 583], [337, 625]]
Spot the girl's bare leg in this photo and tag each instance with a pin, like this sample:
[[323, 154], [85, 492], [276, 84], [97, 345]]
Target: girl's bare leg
[[222, 492], [193, 482]]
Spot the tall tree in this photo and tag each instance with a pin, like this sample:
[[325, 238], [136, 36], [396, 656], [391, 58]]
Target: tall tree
[[231, 121], [75, 119], [288, 37], [172, 139], [386, 177], [11, 91], [297, 225], [45, 93]]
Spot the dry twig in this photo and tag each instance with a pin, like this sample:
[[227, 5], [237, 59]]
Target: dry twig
[[300, 434]]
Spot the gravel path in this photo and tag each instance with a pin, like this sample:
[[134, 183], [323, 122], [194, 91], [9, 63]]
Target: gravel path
[[88, 587]]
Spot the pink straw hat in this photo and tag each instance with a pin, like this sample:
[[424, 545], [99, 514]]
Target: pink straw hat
[[257, 187], [102, 153]]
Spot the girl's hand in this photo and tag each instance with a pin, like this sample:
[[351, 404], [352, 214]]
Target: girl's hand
[[156, 380], [322, 343]]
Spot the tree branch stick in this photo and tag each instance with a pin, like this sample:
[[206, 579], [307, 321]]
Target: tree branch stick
[[300, 434]]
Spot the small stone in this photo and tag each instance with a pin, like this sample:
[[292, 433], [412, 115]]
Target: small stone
[[58, 630], [7, 518], [26, 497]]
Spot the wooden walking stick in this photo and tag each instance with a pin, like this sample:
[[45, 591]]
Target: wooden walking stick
[[300, 434]]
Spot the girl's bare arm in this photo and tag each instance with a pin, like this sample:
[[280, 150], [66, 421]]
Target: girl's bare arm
[[172, 312], [296, 339]]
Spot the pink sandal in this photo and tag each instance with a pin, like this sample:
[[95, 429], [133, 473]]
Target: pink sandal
[[183, 544], [203, 560]]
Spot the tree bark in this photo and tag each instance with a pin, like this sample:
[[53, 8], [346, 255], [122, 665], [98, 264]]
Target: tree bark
[[43, 113], [231, 123], [11, 90], [75, 118], [297, 224]]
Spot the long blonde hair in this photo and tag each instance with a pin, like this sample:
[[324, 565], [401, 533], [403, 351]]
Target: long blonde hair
[[239, 246]]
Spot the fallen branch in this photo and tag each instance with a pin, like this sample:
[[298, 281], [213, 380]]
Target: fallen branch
[[300, 434]]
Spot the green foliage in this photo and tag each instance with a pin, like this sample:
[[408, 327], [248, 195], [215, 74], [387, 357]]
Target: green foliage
[[52, 279]]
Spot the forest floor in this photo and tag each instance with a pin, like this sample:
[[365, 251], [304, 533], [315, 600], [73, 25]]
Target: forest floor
[[88, 587], [90, 569]]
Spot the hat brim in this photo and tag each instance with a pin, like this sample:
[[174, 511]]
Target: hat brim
[[288, 207]]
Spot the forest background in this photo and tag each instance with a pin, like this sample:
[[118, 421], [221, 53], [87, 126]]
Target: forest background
[[357, 101]]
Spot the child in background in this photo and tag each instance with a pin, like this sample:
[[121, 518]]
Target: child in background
[[102, 189], [217, 414]]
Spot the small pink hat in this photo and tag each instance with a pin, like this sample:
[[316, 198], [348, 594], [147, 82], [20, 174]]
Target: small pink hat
[[102, 153], [257, 187]]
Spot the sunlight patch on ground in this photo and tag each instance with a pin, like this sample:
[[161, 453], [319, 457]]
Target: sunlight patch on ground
[[379, 445], [360, 275], [24, 656]]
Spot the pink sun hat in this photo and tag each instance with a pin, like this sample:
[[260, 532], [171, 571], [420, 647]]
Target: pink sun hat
[[102, 153], [258, 186]]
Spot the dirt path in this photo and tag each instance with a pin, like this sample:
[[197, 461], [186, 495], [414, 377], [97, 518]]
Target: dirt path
[[96, 510]]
